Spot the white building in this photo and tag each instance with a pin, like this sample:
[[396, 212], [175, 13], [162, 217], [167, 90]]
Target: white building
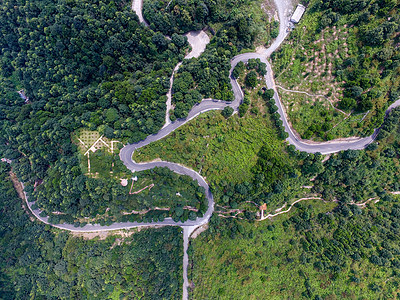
[[298, 13]]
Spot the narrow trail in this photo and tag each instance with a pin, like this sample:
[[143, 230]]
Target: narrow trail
[[313, 95], [270, 216], [280, 211]]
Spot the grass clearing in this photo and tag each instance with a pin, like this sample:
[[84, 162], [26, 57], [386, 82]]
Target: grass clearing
[[307, 63], [312, 114], [221, 149]]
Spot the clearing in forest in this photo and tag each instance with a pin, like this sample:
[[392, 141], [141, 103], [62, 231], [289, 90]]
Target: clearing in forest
[[98, 151], [307, 83]]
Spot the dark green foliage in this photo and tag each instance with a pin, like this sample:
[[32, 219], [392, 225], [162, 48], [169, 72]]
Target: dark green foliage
[[268, 94], [243, 108], [257, 65], [238, 70], [180, 16], [81, 63], [368, 236], [251, 79], [36, 261], [203, 77], [353, 176], [391, 125], [227, 111], [210, 72], [169, 190]]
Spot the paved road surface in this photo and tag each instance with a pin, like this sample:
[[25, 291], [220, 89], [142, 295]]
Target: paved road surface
[[284, 9], [198, 41]]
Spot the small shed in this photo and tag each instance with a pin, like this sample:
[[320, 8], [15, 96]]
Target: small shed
[[23, 96], [298, 13]]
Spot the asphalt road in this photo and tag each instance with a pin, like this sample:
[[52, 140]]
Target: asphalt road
[[284, 10], [198, 41]]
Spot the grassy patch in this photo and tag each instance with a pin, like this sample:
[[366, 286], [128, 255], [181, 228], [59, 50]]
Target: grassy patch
[[221, 149], [311, 115], [307, 63]]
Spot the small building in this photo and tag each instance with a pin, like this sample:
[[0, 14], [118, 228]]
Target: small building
[[262, 208], [23, 96], [6, 160], [298, 13]]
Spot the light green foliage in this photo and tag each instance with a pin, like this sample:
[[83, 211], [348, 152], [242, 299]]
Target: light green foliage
[[310, 252], [214, 145]]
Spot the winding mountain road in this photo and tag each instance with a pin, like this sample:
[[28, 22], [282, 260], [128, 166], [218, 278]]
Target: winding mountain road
[[198, 41]]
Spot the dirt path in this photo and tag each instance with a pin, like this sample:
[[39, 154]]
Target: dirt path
[[280, 212], [311, 95]]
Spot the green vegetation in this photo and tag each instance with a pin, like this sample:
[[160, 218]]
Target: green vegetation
[[203, 77], [346, 51], [311, 252], [214, 145], [106, 73], [320, 249], [352, 176], [244, 21], [208, 76], [39, 262], [141, 196], [154, 195], [243, 158]]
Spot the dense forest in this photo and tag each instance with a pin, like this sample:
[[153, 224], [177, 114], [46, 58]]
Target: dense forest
[[207, 76], [163, 193], [80, 63], [181, 16], [204, 77], [317, 251], [38, 262]]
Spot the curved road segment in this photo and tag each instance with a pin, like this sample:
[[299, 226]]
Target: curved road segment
[[207, 105], [198, 40], [284, 10]]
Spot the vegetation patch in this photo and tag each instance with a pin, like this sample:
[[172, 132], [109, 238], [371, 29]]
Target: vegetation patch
[[214, 145], [242, 158], [316, 251], [346, 52], [245, 21], [314, 116], [39, 261], [238, 26]]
